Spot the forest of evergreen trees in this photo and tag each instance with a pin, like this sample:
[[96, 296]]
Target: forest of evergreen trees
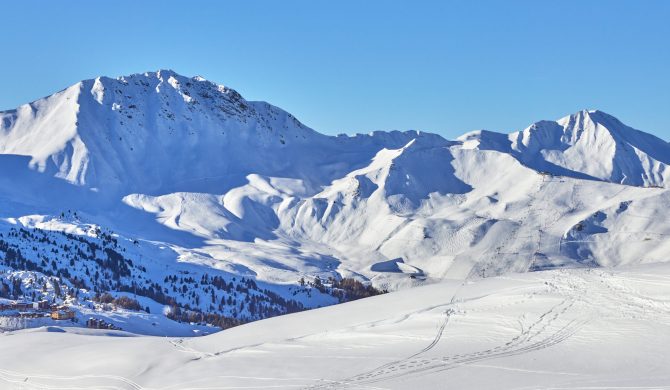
[[75, 264]]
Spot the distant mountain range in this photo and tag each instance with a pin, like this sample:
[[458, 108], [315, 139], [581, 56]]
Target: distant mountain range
[[195, 183]]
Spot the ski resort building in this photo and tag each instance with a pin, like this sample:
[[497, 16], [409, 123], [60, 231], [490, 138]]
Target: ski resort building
[[62, 313]]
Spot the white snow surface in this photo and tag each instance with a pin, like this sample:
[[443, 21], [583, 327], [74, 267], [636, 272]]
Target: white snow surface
[[247, 182], [186, 181], [244, 187], [579, 328]]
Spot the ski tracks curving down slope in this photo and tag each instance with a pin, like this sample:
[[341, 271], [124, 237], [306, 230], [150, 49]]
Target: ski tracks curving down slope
[[561, 328]]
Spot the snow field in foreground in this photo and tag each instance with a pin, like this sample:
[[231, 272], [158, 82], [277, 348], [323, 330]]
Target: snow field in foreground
[[582, 328]]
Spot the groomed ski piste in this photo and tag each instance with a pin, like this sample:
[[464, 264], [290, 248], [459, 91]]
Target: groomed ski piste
[[567, 328]]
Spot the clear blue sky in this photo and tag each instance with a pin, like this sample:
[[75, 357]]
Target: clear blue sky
[[355, 66]]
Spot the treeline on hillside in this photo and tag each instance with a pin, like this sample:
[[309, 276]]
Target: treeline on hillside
[[345, 289], [352, 289], [100, 266], [77, 263], [122, 301], [198, 317]]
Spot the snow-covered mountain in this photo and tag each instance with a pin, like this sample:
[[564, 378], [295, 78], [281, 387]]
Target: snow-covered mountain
[[163, 133], [234, 208], [587, 144]]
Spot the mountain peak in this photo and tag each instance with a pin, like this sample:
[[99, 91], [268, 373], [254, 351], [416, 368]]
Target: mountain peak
[[595, 117], [145, 130], [595, 144], [160, 78], [588, 144], [102, 130]]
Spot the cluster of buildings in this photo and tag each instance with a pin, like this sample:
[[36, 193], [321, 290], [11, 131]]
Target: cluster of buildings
[[35, 310], [62, 313], [43, 309], [95, 323]]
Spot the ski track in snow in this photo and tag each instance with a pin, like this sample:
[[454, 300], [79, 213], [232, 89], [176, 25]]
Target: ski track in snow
[[517, 345], [550, 307], [280, 201]]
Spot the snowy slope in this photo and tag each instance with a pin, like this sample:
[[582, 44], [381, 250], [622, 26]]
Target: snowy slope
[[587, 144], [160, 132], [553, 329], [189, 176]]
